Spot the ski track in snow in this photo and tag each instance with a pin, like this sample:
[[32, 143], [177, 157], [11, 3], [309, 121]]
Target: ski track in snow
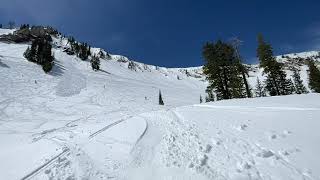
[[228, 156]]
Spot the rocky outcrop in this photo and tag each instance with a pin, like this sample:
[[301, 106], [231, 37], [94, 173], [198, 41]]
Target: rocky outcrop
[[28, 34]]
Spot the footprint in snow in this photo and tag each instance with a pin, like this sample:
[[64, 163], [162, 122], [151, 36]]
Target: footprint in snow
[[208, 148], [241, 166], [273, 135], [289, 151], [216, 141], [285, 133], [265, 154], [242, 127]]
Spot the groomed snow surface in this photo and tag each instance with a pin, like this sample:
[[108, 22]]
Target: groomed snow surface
[[79, 124]]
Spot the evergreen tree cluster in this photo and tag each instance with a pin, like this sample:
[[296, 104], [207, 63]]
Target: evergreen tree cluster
[[82, 50], [40, 53], [24, 26], [276, 82], [314, 76], [227, 75], [223, 70], [103, 55], [132, 66], [0, 25]]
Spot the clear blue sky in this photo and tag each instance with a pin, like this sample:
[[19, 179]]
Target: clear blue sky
[[172, 32]]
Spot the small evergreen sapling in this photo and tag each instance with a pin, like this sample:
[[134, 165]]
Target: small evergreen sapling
[[160, 99], [298, 83], [95, 63], [260, 89]]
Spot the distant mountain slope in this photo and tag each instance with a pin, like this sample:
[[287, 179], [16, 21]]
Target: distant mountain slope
[[294, 60]]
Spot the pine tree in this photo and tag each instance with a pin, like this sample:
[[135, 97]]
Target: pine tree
[[244, 72], [201, 99], [89, 50], [222, 70], [210, 96], [298, 83], [0, 25], [27, 54], [290, 87], [101, 54], [108, 56], [314, 76], [132, 66], [276, 82], [207, 99], [83, 51], [260, 90], [24, 26], [264, 52], [95, 63], [160, 99]]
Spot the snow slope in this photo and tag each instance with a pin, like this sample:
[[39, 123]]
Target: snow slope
[[75, 123], [42, 115], [263, 138]]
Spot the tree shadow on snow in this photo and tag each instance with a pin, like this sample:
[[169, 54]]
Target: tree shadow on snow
[[104, 71], [3, 64], [57, 69]]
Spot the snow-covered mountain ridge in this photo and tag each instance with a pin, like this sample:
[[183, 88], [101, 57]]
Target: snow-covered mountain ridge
[[294, 60]]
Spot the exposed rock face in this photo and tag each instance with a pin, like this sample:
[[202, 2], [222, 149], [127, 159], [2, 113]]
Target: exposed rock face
[[28, 34]]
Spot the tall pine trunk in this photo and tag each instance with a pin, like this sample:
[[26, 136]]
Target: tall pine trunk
[[244, 77]]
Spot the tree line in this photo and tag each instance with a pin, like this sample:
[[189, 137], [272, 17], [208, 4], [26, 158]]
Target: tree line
[[40, 51], [83, 51], [227, 75]]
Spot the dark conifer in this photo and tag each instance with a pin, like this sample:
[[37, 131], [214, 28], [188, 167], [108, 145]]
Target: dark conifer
[[298, 83], [210, 96], [160, 99], [95, 63], [276, 82], [222, 70], [102, 54], [314, 76], [260, 90], [27, 53]]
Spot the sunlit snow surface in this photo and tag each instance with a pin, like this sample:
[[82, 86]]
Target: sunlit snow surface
[[79, 124]]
